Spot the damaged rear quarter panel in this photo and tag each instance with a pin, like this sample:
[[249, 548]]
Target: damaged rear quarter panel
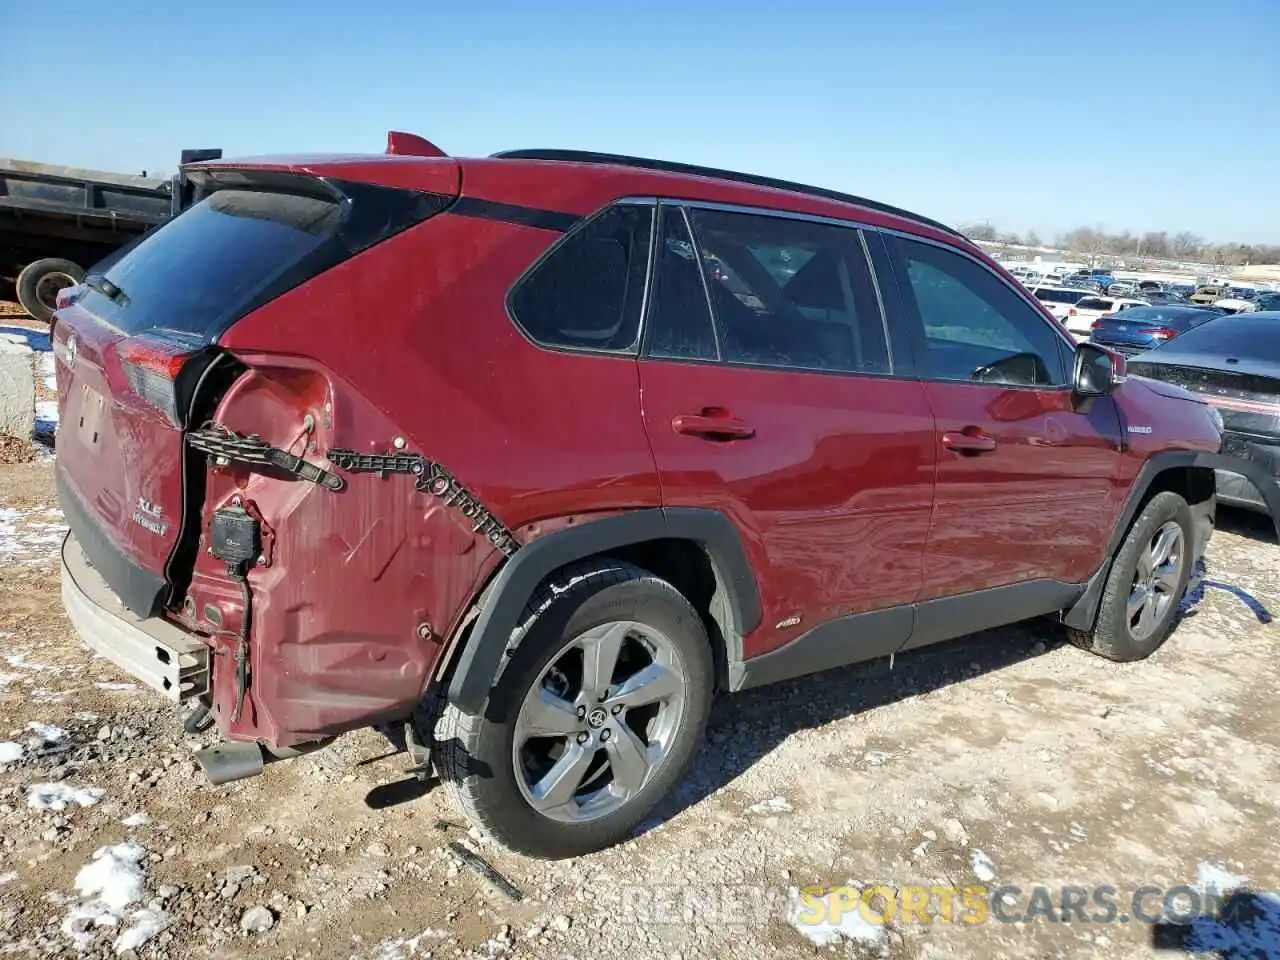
[[411, 340]]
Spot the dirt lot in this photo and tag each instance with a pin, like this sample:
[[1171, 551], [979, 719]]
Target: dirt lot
[[1005, 758]]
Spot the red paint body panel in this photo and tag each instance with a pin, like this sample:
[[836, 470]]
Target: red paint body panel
[[113, 447], [846, 496], [831, 495], [1038, 505]]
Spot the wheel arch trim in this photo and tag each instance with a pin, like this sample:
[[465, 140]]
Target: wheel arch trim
[[1082, 614], [516, 581]]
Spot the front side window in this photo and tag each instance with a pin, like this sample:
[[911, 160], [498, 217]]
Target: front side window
[[790, 293], [975, 328], [587, 293]]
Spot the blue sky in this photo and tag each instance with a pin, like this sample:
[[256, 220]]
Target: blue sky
[[1126, 114]]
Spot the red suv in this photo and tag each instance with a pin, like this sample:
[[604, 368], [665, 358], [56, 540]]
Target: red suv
[[533, 454]]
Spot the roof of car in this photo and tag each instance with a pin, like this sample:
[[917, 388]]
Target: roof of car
[[667, 166]]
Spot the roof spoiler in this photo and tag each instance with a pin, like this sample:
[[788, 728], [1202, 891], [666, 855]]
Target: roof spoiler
[[401, 144]]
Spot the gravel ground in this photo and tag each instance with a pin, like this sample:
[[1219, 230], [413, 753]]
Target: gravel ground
[[1002, 759]]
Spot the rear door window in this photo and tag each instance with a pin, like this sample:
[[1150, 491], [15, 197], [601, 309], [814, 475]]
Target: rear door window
[[588, 292], [790, 293]]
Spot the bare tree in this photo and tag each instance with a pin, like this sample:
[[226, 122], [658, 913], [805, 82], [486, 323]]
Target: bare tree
[[1031, 239], [979, 231], [1187, 244]]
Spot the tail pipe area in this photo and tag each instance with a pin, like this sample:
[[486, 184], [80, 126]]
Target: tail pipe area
[[241, 759]]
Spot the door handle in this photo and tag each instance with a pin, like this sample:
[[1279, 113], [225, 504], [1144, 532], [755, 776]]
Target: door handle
[[970, 440], [712, 427]]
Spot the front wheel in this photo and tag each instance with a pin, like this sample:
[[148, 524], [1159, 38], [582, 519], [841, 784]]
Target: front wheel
[[592, 721], [1145, 586]]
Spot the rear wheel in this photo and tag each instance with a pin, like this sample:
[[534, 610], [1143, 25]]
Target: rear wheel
[[1147, 580], [595, 717], [39, 282]]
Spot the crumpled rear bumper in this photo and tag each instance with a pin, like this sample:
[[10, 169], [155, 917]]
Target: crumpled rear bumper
[[159, 653]]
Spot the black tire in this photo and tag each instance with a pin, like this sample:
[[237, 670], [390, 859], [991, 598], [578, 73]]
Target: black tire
[[475, 752], [1112, 635], [39, 282]]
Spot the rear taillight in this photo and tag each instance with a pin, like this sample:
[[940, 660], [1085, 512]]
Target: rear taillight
[[1096, 324], [1071, 311], [151, 366], [1164, 333]]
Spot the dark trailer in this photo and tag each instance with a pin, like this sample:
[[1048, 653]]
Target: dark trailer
[[56, 221]]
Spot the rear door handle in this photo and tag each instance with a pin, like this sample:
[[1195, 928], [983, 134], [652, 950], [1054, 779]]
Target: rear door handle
[[710, 427], [969, 440]]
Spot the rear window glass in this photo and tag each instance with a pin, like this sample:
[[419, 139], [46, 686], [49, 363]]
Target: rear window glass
[[196, 273], [1094, 303]]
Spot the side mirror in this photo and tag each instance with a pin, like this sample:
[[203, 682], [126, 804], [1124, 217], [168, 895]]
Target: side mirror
[[1098, 371]]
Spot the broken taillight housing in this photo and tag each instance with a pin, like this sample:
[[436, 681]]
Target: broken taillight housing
[[151, 365]]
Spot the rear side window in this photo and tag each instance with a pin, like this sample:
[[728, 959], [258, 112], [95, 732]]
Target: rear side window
[[239, 248], [790, 293], [588, 292]]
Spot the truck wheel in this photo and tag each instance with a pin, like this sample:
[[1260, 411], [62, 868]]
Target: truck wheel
[[39, 282], [1147, 579], [595, 716]]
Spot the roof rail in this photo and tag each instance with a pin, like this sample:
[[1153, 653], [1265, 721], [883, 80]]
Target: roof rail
[[666, 166]]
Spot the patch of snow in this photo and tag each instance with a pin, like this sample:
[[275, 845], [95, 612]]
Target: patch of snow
[[772, 805], [850, 925], [46, 368], [139, 819], [143, 925], [113, 876], [110, 884], [877, 758], [983, 866], [10, 752], [116, 686], [7, 878], [47, 732], [407, 947], [26, 539], [1212, 878], [46, 412], [59, 796]]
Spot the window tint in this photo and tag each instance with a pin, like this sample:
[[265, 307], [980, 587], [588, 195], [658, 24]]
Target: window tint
[[790, 293], [1095, 303], [196, 272], [679, 321], [974, 326], [587, 293]]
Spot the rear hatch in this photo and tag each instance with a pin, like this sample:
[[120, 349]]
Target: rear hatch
[[138, 361]]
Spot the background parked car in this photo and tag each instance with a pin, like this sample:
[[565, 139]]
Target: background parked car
[[1236, 300], [1079, 319], [1060, 300], [1267, 301], [1234, 363], [1155, 297], [1143, 328], [1207, 294]]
